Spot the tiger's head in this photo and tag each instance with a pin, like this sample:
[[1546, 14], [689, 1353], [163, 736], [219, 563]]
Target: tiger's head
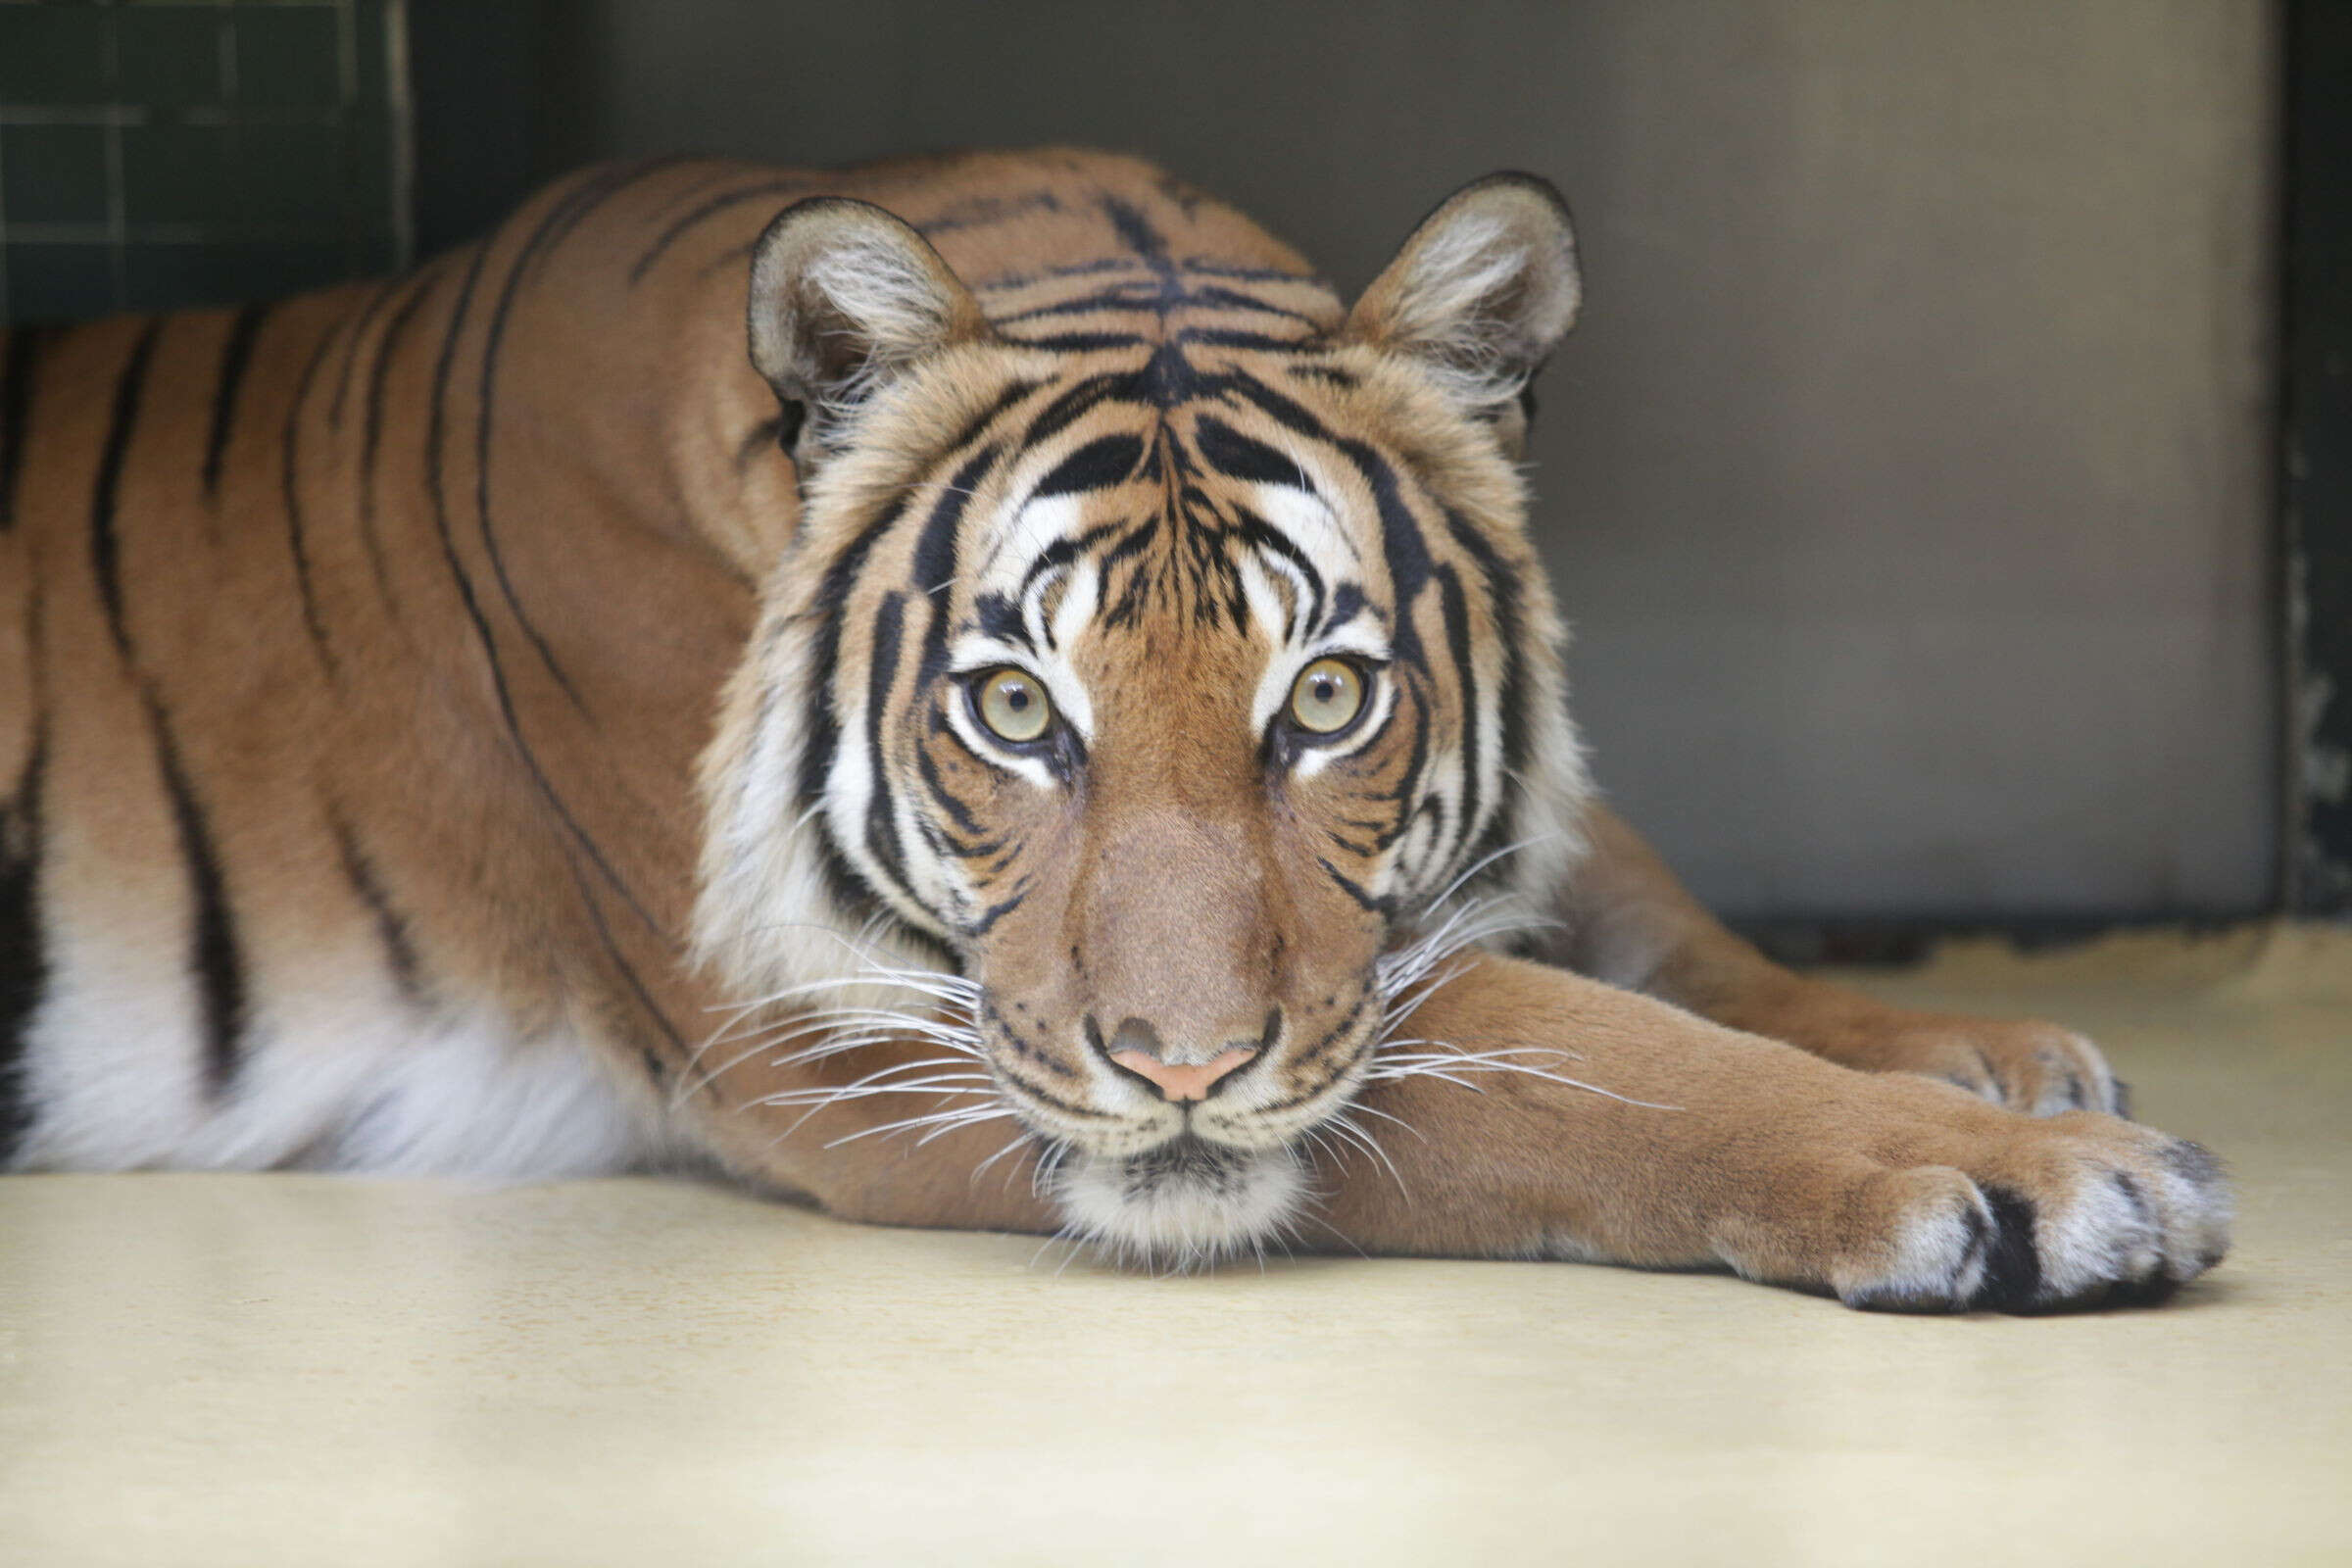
[[1149, 689]]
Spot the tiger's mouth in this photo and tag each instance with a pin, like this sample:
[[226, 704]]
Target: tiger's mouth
[[1184, 1184]]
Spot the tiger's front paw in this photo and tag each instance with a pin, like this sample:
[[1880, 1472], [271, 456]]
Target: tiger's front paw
[[2079, 1210], [2038, 1068], [2024, 1065]]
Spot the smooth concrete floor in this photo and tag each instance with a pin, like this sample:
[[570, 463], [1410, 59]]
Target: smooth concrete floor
[[288, 1370]]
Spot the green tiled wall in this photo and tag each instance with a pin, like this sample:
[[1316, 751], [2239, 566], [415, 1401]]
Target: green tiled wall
[[159, 153]]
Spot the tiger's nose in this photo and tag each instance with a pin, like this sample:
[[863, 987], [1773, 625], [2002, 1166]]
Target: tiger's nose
[[1137, 1048]]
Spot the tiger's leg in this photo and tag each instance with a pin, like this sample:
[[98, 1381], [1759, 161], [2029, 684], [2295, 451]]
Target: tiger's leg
[[1888, 1189], [1632, 924]]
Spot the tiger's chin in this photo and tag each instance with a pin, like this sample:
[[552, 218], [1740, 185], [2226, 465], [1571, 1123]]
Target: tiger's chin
[[1188, 1203]]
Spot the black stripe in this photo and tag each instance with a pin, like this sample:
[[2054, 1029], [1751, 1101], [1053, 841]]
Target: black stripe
[[1263, 536], [1408, 782], [1080, 342], [1167, 293], [1351, 888], [1321, 1047], [981, 211], [1240, 456], [1288, 413], [19, 358], [937, 784], [1246, 274], [606, 186], [881, 823], [1142, 295], [821, 725], [103, 544], [1187, 198], [1503, 593], [371, 438], [977, 425], [291, 496], [708, 210], [1456, 608], [350, 348], [975, 929], [936, 555], [1000, 282], [630, 976], [1347, 603], [1222, 337], [1403, 544], [24, 946], [1001, 616], [947, 733], [436, 439], [1209, 296], [214, 956], [1169, 378], [558, 217], [1106, 461], [1135, 231], [1068, 1107], [1070, 407], [391, 928], [1025, 1049], [236, 352]]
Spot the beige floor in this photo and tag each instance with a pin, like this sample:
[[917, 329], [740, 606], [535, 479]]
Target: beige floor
[[284, 1370]]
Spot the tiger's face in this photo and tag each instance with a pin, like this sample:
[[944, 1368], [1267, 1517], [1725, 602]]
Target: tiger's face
[[1166, 688]]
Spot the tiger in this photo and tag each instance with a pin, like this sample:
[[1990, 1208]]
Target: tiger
[[969, 692]]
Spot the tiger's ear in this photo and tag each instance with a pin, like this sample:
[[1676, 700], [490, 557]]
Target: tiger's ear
[[844, 298], [1480, 294]]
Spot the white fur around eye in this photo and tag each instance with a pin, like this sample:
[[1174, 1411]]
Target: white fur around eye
[[982, 743], [975, 652], [1359, 640]]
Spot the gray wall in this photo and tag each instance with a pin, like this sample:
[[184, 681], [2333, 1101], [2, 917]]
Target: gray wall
[[1908, 479]]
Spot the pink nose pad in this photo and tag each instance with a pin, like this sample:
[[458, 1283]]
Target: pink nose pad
[[1182, 1083]]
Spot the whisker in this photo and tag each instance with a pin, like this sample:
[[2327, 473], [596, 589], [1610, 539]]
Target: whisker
[[981, 1169], [832, 1095], [1486, 860], [1342, 1126], [1442, 1064], [880, 1027], [1385, 1116], [1068, 1233], [943, 1121]]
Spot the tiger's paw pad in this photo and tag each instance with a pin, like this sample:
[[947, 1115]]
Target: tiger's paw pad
[[2086, 1228]]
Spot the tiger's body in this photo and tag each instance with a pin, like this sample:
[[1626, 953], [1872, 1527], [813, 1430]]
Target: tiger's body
[[361, 658]]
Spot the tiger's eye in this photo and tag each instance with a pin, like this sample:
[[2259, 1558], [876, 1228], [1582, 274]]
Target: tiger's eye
[[1014, 705], [1327, 696]]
